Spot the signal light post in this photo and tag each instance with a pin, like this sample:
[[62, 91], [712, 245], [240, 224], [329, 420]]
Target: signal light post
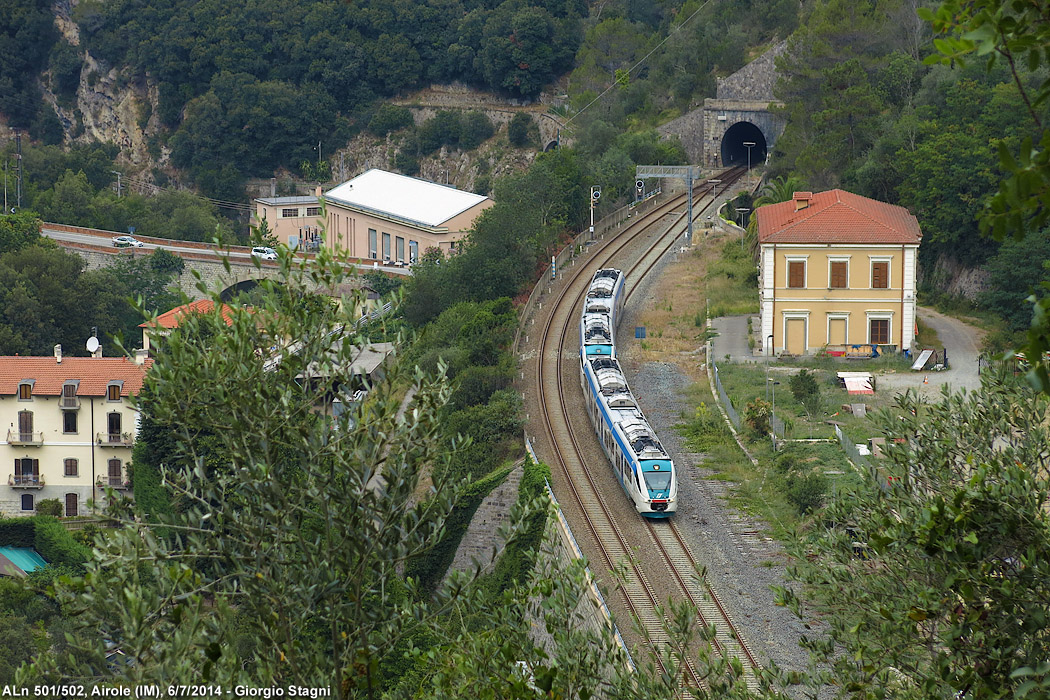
[[596, 194]]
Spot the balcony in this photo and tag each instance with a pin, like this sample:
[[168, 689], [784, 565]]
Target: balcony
[[17, 437], [115, 439], [69, 403], [113, 482], [26, 481]]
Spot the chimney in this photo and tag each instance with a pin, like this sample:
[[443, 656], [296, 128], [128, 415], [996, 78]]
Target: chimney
[[273, 187], [801, 200], [97, 353], [58, 354], [140, 356], [317, 191]]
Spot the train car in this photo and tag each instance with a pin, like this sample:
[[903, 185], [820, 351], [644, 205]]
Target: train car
[[643, 468], [596, 335], [605, 295]]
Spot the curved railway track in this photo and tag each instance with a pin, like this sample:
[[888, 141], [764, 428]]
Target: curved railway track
[[613, 545]]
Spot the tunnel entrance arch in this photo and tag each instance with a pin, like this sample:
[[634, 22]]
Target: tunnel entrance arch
[[733, 150]]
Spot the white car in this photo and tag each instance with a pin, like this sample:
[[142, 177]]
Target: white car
[[264, 253], [126, 242]]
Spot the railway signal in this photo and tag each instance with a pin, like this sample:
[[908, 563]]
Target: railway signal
[[596, 194]]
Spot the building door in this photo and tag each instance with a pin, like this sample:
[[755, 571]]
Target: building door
[[113, 422], [116, 474], [836, 331], [796, 336], [71, 505], [25, 426]]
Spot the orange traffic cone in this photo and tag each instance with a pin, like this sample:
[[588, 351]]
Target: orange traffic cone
[[925, 379]]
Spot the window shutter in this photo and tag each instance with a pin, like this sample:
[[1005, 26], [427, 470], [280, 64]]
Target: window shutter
[[796, 274], [880, 275], [838, 274]]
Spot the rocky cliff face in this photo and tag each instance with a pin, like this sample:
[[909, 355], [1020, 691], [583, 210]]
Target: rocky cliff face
[[109, 107]]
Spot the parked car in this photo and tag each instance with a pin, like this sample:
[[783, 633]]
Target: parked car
[[126, 242], [264, 253]]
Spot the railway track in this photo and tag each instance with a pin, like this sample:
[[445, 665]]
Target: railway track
[[557, 348]]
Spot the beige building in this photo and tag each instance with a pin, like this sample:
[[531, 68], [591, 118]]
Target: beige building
[[393, 218], [836, 273], [70, 428], [295, 221]]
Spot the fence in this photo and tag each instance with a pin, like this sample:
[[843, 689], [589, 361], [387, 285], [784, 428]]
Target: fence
[[574, 551], [564, 257], [851, 449], [724, 398], [775, 424]]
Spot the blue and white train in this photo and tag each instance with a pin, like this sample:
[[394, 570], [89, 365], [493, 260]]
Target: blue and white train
[[641, 464]]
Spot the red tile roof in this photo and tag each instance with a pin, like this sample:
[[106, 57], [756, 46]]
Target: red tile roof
[[94, 373], [171, 318], [836, 216]]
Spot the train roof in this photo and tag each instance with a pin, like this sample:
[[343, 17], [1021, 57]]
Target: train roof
[[602, 287], [607, 272], [596, 328], [623, 409]]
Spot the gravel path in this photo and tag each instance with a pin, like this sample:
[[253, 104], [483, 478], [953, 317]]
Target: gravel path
[[742, 564], [963, 343]]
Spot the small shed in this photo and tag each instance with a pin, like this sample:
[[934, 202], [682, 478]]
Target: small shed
[[857, 382]]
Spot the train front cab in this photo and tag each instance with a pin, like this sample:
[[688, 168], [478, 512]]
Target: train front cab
[[658, 475]]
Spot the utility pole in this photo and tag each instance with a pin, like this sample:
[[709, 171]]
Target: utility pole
[[118, 174], [18, 165], [749, 145], [689, 189], [596, 194], [5, 186]]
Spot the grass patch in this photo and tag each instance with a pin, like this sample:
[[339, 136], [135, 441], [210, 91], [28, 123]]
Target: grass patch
[[732, 282], [926, 337]]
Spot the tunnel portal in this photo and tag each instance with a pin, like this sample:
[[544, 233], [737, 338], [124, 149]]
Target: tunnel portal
[[734, 152]]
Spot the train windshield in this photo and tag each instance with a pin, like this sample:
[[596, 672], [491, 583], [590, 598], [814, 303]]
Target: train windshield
[[657, 475]]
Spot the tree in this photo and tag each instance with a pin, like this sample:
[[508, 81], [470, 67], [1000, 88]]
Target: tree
[[930, 573], [1015, 34], [18, 230], [518, 129]]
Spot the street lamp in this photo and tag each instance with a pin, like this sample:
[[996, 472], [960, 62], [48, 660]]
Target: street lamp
[[749, 145], [773, 413], [741, 211]]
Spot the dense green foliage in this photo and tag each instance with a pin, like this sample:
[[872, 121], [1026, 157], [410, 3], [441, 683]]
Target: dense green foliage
[[245, 92], [931, 574], [27, 31], [865, 113], [75, 187], [38, 281]]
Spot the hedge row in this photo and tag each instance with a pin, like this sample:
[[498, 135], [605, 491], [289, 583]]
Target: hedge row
[[429, 568], [519, 555], [47, 536]]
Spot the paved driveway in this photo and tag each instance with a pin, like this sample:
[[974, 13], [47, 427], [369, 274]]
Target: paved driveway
[[963, 343], [731, 339]]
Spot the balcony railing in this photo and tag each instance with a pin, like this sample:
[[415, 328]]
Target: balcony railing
[[17, 437], [26, 481], [69, 403], [115, 439], [113, 482]]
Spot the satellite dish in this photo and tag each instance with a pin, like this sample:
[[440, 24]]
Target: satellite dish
[[93, 344]]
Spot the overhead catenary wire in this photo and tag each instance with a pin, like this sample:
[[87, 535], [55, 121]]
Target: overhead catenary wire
[[640, 61], [139, 182]]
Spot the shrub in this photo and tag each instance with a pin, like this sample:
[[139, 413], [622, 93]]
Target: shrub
[[16, 532], [55, 544], [806, 491], [806, 391], [49, 506], [388, 118], [476, 128], [518, 129], [757, 414]]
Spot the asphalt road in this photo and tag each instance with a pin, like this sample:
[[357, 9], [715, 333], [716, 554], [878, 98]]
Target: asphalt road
[[963, 343]]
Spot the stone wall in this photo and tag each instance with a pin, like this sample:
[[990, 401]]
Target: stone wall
[[755, 81]]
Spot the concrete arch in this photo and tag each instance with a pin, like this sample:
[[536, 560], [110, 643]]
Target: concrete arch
[[237, 288], [733, 150]]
